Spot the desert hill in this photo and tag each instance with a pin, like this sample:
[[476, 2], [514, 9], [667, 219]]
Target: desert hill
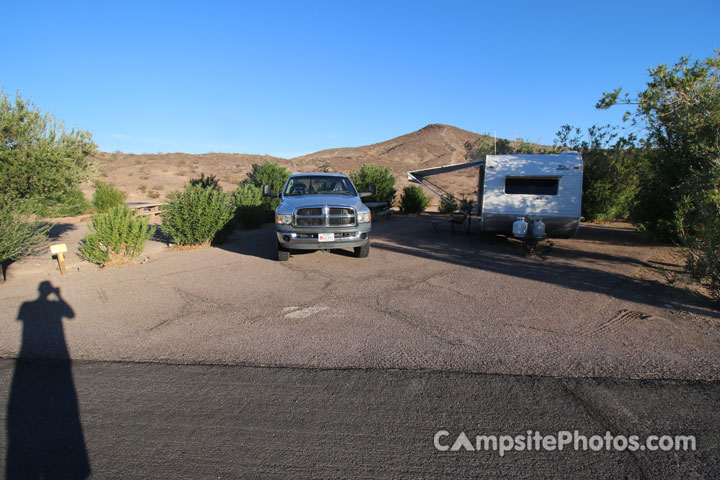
[[432, 145], [148, 176]]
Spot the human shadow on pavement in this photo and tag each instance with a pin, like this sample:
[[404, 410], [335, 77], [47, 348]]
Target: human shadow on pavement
[[44, 435]]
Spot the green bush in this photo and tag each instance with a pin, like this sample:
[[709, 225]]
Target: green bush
[[72, 202], [197, 216], [106, 197], [249, 210], [206, 182], [612, 170], [446, 207], [40, 160], [269, 173], [698, 224], [381, 177], [489, 145], [19, 234], [413, 200], [680, 113], [115, 236]]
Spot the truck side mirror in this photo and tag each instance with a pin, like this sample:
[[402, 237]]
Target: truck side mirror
[[371, 191], [268, 193]]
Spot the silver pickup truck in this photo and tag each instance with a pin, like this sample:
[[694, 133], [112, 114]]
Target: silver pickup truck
[[321, 211]]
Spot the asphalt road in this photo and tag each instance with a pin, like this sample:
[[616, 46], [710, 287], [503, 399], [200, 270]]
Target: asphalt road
[[135, 420]]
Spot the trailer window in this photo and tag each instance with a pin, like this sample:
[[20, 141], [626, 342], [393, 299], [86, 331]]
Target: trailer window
[[531, 186]]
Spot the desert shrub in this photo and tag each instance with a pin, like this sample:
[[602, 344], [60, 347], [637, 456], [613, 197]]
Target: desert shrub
[[446, 207], [249, 210], [680, 112], [40, 159], [488, 145], [612, 170], [70, 203], [381, 177], [106, 197], [206, 182], [116, 235], [20, 235], [697, 220], [197, 215], [413, 200], [269, 173], [466, 204]]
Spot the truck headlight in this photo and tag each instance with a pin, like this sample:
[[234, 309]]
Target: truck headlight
[[364, 217], [283, 219]]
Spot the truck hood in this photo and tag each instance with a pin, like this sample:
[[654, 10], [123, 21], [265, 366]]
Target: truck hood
[[301, 201]]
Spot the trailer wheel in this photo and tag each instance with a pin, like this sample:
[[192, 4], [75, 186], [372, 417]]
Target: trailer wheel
[[531, 244], [363, 251], [283, 254]]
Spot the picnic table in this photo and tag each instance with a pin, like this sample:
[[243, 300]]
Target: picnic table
[[146, 208]]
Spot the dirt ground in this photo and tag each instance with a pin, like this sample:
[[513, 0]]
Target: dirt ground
[[597, 305]]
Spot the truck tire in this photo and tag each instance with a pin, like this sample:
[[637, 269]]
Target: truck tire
[[363, 251], [283, 254]]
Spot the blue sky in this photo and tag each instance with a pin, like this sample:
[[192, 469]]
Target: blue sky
[[288, 78]]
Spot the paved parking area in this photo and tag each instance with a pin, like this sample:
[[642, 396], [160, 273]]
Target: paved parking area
[[422, 300], [224, 363]]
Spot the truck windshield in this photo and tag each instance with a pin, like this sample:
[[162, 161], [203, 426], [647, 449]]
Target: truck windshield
[[310, 184]]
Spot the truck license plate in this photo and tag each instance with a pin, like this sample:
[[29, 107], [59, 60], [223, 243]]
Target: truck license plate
[[326, 237]]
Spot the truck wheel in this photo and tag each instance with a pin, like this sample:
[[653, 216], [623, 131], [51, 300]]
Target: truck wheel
[[363, 251], [283, 253]]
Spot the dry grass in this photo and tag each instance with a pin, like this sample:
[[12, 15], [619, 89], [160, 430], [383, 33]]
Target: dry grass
[[190, 247]]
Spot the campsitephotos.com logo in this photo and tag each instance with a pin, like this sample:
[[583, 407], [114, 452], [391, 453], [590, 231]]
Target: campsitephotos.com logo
[[562, 440]]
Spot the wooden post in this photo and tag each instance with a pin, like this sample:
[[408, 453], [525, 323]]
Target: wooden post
[[59, 250]]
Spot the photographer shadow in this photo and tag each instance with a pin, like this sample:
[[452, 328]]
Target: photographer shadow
[[44, 434]]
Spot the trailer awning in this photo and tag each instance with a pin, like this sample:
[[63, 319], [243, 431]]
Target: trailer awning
[[416, 175], [420, 176]]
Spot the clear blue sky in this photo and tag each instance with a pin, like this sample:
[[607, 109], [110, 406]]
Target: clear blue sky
[[288, 78]]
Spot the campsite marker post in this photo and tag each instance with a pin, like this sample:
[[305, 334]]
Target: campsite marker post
[[58, 251]]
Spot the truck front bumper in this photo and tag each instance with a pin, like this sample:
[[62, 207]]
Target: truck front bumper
[[307, 239]]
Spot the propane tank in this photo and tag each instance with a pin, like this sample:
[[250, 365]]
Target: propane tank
[[520, 227], [538, 230]]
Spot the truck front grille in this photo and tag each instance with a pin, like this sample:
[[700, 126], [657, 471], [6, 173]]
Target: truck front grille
[[309, 221], [335, 221], [328, 216], [309, 211], [341, 211]]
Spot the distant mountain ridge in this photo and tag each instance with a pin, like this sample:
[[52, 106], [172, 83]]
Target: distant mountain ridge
[[435, 142], [139, 174]]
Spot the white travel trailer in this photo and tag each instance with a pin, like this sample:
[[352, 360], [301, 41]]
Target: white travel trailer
[[528, 196]]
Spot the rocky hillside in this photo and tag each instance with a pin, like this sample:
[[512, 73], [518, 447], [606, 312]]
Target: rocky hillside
[[149, 176]]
